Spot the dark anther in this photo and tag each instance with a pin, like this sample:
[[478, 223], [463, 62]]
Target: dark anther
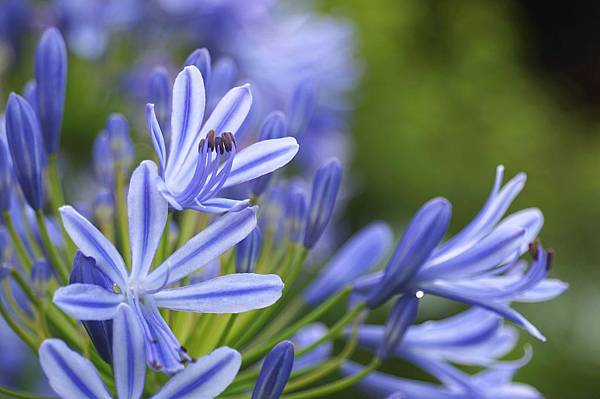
[[549, 259], [228, 141], [192, 360], [534, 249], [155, 365], [155, 341], [219, 145], [211, 140], [201, 145], [182, 348]]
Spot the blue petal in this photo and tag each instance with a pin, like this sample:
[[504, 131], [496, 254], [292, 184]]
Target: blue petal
[[186, 119], [361, 252], [490, 252], [206, 378], [403, 314], [128, 354], [232, 293], [423, 234], [213, 241], [261, 158], [200, 58], [305, 337], [275, 372], [230, 112], [160, 97], [147, 211], [544, 291], [87, 301], [70, 375], [158, 140], [92, 243], [218, 205]]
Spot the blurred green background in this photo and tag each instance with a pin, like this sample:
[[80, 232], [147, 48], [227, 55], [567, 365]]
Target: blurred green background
[[450, 90]]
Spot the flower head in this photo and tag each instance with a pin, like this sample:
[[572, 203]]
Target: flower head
[[203, 157], [145, 290]]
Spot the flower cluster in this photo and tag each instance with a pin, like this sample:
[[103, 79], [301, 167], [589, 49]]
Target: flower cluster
[[187, 267]]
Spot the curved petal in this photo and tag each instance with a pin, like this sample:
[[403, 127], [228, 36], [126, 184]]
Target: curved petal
[[204, 379], [230, 112], [70, 375], [87, 301], [213, 241], [218, 205], [129, 359], [91, 242], [158, 140], [232, 293], [147, 212], [261, 158], [545, 290], [189, 101]]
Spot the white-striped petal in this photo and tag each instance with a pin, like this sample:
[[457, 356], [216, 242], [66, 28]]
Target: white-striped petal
[[87, 301], [129, 357]]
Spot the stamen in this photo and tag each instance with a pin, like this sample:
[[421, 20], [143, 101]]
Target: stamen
[[549, 259], [534, 249]]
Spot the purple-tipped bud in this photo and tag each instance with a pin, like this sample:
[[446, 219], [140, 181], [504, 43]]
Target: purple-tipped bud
[[360, 253], [6, 177], [296, 211], [275, 372], [160, 95], [301, 108], [200, 58], [402, 316], [325, 187], [26, 148], [424, 233], [51, 81], [121, 145], [85, 271], [273, 127], [247, 252]]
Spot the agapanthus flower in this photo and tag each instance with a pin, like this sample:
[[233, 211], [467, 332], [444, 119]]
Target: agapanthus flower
[[146, 290], [73, 376], [472, 338], [477, 266], [203, 157]]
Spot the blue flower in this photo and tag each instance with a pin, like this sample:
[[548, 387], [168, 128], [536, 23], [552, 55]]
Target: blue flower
[[472, 338], [26, 148], [73, 376], [144, 290], [479, 266], [202, 156], [51, 86]]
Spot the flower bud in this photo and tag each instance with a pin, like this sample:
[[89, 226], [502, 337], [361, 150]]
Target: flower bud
[[402, 316], [160, 96], [248, 251], [301, 108], [26, 148], [275, 372], [51, 85], [325, 187]]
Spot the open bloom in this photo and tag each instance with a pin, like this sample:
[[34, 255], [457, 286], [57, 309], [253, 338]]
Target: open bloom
[[472, 338], [144, 290], [203, 157], [479, 266], [73, 376]]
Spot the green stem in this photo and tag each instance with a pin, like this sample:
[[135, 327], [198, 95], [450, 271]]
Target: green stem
[[12, 393], [59, 265], [326, 368], [18, 330], [226, 330], [14, 236], [14, 306], [336, 386], [122, 222], [57, 200], [335, 330], [256, 353]]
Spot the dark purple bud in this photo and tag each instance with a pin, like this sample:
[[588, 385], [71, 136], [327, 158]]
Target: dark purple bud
[[402, 316], [325, 187], [51, 85], [296, 211], [247, 252], [424, 233], [85, 271], [26, 148], [275, 372]]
